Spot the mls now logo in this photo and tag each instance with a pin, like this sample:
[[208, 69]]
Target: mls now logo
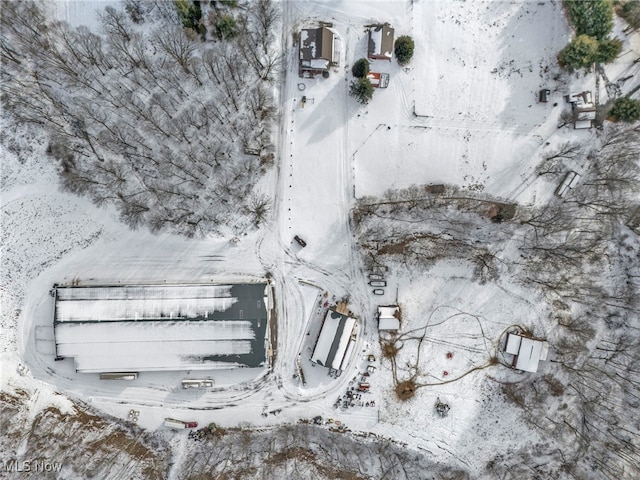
[[14, 465]]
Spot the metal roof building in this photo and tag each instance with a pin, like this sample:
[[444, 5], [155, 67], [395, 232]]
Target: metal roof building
[[317, 49], [162, 327], [389, 318], [527, 351], [335, 342]]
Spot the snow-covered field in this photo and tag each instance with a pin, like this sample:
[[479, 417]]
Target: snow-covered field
[[463, 112]]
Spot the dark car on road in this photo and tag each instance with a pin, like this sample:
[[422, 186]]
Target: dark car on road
[[300, 241]]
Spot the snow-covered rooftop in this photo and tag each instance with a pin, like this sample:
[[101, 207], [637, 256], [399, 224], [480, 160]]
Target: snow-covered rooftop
[[177, 327], [333, 342], [387, 323], [388, 317], [316, 44], [528, 351], [381, 42]]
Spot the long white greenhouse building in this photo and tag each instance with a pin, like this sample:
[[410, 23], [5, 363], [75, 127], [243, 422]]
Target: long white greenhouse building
[[162, 327]]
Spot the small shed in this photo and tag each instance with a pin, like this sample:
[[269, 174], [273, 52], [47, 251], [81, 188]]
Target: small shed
[[389, 318], [584, 115], [378, 80], [380, 45], [570, 180], [527, 351]]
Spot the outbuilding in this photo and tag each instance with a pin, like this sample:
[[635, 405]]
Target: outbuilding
[[527, 351], [389, 318], [336, 341]]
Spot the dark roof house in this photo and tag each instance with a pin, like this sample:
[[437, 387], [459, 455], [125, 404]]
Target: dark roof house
[[317, 50], [380, 44]]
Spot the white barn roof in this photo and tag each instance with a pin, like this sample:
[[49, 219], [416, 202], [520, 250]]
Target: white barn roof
[[152, 328], [331, 349], [389, 324], [388, 318], [528, 351]]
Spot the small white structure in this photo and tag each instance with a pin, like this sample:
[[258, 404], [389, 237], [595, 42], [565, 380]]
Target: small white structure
[[527, 351], [389, 318], [335, 342], [571, 179]]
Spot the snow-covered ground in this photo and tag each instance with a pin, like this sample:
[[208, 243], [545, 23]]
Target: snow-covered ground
[[463, 112]]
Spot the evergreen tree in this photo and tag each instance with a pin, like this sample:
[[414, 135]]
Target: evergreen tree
[[226, 27], [608, 50], [403, 49], [360, 68], [630, 11], [581, 52], [362, 90], [626, 109]]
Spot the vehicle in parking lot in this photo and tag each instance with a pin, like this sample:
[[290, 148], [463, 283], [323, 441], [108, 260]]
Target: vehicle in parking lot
[[375, 276], [378, 283], [193, 383], [378, 291], [300, 241]]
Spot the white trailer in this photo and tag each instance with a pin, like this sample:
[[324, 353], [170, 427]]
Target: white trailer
[[119, 376], [197, 383], [173, 423]]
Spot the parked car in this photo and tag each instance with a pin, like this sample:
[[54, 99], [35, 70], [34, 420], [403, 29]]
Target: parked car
[[378, 283], [300, 241], [375, 276], [378, 291]]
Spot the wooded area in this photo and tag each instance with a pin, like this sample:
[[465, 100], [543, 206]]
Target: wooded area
[[173, 130]]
